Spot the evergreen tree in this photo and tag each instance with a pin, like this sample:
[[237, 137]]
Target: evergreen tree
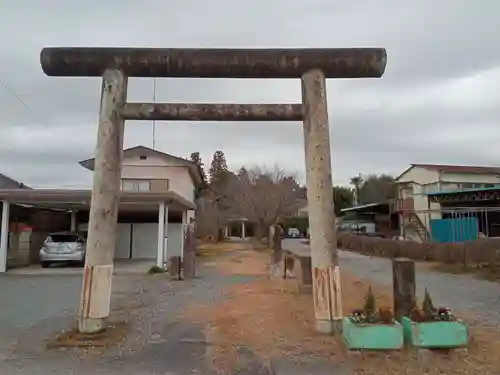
[[218, 167], [428, 309], [369, 310]]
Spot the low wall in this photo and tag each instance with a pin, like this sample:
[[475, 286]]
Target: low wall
[[485, 250]]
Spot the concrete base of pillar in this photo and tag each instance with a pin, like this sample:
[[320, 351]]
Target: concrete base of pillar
[[91, 325], [276, 271], [329, 326]]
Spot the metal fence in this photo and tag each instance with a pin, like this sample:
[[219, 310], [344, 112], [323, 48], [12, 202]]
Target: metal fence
[[458, 224]]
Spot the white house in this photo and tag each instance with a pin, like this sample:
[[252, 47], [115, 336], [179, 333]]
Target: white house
[[420, 179], [157, 200], [148, 170]]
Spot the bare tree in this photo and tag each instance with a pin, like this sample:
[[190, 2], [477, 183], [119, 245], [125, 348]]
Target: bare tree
[[263, 195], [211, 215]]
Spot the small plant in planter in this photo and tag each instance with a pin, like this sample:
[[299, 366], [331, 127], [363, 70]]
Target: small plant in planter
[[371, 328], [428, 313], [430, 327]]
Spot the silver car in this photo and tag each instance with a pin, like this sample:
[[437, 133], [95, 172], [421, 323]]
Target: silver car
[[63, 247]]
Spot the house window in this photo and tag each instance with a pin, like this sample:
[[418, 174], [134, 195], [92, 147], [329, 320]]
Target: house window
[[476, 185], [471, 185], [136, 185], [143, 157], [467, 185]]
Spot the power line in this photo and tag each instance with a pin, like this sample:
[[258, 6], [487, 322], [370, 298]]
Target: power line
[[25, 105]]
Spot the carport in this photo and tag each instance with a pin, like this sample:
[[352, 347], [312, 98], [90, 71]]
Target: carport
[[150, 225]]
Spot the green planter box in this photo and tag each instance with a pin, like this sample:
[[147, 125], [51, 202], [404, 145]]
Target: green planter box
[[435, 334], [372, 336]]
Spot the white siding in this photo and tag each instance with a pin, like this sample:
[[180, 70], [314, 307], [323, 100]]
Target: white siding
[[420, 175], [156, 167]]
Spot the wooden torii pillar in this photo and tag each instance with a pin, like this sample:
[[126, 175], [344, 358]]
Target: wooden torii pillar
[[115, 65]]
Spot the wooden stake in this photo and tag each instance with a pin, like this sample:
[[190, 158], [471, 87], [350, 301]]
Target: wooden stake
[[403, 276]]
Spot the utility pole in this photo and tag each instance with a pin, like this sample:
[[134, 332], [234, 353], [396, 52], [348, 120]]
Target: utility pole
[[98, 272], [325, 267]]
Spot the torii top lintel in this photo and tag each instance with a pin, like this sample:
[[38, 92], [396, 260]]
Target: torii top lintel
[[214, 63]]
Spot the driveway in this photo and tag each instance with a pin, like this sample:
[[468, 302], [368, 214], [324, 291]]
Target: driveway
[[121, 267], [36, 308], [28, 300]]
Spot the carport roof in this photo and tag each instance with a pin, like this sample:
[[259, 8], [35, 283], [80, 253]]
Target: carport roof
[[71, 199]]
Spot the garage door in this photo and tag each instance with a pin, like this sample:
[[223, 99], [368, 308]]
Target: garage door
[[140, 240], [144, 240], [123, 237]]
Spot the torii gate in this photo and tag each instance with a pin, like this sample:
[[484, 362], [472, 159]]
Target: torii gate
[[115, 65]]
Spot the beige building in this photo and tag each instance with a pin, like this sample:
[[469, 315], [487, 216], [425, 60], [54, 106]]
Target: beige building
[[420, 179], [157, 201]]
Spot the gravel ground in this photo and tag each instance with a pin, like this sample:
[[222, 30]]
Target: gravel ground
[[37, 307], [160, 343]]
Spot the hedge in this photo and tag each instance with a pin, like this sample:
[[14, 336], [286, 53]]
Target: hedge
[[482, 251]]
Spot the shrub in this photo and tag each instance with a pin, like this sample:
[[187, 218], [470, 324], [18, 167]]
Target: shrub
[[485, 250]]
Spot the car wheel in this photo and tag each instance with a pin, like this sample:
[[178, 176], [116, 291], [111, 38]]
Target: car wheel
[[45, 265]]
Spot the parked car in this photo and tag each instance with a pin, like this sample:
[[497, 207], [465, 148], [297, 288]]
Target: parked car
[[293, 232], [63, 247]]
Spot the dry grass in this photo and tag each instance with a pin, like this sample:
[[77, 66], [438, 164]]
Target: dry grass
[[211, 249], [115, 333], [482, 358], [274, 320], [249, 262], [269, 317]]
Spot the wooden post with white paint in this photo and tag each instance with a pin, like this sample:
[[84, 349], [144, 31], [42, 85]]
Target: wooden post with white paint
[[98, 272], [325, 270], [160, 252], [4, 235]]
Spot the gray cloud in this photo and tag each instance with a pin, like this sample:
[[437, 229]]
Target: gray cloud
[[436, 103]]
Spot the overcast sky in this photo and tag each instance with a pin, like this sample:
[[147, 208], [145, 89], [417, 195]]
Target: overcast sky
[[438, 102]]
